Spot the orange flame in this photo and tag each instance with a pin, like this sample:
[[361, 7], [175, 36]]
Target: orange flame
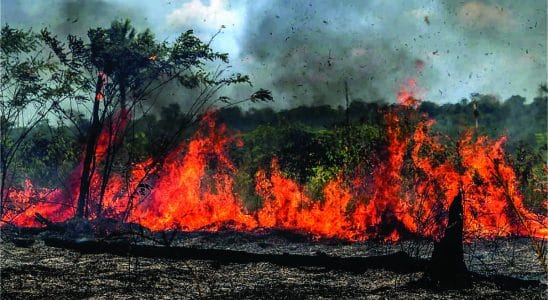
[[193, 190], [408, 93]]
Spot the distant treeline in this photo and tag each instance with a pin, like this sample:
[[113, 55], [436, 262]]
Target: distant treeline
[[311, 144], [512, 117]]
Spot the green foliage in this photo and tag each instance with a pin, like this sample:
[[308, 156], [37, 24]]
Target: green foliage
[[49, 156], [25, 71], [530, 167], [350, 151], [261, 95], [319, 179], [514, 117], [310, 156], [14, 41], [292, 145], [244, 187]]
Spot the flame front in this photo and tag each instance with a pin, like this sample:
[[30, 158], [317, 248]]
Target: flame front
[[193, 190]]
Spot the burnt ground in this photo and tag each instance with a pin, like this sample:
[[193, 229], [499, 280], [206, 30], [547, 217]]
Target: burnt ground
[[33, 270]]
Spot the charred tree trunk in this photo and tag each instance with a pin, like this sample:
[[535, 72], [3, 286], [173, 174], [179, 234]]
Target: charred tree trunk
[[89, 155], [115, 139], [3, 189], [109, 164], [447, 268]]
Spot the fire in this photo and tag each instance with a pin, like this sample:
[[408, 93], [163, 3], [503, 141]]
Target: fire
[[193, 189], [58, 205], [184, 197], [286, 206], [409, 93]]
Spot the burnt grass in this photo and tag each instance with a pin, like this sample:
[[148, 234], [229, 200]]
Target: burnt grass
[[504, 268]]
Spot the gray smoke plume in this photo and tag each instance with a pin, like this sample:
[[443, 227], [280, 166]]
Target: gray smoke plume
[[305, 50], [68, 16]]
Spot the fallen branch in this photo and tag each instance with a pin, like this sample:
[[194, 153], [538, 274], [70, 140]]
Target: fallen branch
[[58, 227], [399, 262]]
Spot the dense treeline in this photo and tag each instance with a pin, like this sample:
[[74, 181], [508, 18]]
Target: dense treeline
[[519, 120]]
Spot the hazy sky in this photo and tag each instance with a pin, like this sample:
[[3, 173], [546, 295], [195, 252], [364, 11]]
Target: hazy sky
[[304, 50]]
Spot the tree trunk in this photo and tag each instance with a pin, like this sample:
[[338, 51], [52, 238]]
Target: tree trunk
[[115, 139], [447, 268], [3, 191], [109, 162], [89, 155]]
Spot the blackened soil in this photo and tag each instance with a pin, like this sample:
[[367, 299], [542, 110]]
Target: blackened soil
[[35, 271]]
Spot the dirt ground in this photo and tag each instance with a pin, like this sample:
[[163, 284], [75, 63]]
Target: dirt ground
[[39, 271]]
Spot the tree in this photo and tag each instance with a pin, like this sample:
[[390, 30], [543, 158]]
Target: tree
[[30, 88], [124, 71]]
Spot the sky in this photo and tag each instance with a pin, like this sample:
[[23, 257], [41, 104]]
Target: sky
[[304, 51]]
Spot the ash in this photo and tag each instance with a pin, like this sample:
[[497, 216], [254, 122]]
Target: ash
[[33, 270]]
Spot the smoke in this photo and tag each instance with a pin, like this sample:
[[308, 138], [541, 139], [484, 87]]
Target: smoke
[[504, 45], [65, 17], [305, 51]]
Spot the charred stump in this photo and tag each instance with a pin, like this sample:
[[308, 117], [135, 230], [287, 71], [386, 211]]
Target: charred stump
[[447, 268]]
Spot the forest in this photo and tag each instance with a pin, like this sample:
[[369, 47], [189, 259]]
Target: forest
[[98, 170]]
